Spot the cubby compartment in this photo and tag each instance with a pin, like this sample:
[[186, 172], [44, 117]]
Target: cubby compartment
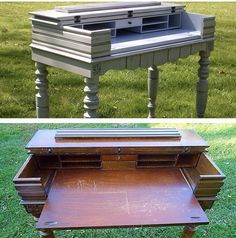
[[174, 21], [187, 160], [206, 178], [99, 26], [152, 161], [155, 19], [80, 161], [154, 27], [48, 161], [31, 182]]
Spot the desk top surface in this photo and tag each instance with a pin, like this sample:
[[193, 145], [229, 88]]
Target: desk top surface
[[46, 139], [95, 198]]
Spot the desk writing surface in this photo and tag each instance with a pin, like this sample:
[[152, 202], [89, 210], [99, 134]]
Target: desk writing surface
[[134, 41], [120, 198]]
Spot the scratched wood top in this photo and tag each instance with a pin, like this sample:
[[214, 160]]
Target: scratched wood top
[[99, 199]]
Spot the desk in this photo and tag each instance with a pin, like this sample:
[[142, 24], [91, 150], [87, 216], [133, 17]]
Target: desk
[[90, 40], [102, 178]]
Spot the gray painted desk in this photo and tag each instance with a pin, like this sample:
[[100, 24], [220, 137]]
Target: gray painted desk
[[118, 36]]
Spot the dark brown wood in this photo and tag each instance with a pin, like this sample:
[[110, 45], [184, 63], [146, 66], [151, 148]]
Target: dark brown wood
[[44, 233], [43, 142], [189, 231], [121, 198]]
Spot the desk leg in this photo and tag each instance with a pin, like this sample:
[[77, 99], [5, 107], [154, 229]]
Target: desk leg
[[42, 104], [202, 84], [153, 75], [189, 231], [46, 233], [91, 100]]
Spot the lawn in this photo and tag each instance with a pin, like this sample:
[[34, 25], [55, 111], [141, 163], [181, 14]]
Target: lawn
[[122, 93], [16, 223]]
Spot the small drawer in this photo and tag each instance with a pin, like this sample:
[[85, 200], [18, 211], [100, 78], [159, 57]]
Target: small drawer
[[206, 179], [31, 182], [126, 23]]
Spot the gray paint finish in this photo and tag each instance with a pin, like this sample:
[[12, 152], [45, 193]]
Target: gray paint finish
[[122, 38]]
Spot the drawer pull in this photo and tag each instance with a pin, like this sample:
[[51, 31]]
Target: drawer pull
[[129, 22]]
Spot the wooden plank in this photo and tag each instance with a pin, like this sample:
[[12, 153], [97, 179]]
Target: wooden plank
[[208, 169], [71, 36], [161, 57], [192, 176], [44, 139], [60, 61], [119, 157], [86, 57], [119, 198], [118, 132], [113, 64], [85, 48], [173, 54], [133, 62], [197, 47], [210, 184], [156, 157], [206, 192], [38, 193], [185, 51], [104, 6], [26, 172], [146, 60], [118, 165], [29, 187]]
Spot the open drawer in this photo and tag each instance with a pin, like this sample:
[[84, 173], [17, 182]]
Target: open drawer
[[31, 182], [206, 178]]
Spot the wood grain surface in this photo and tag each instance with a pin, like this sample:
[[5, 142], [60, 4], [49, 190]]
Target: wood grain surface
[[120, 198]]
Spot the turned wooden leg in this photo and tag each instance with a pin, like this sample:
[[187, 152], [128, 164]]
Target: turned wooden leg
[[91, 100], [189, 231], [202, 84], [152, 89], [46, 233], [42, 105]]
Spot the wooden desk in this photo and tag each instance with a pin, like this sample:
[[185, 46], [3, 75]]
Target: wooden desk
[[91, 39], [101, 178]]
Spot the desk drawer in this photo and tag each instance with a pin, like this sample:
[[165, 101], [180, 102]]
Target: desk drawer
[[206, 179], [31, 182], [125, 23]]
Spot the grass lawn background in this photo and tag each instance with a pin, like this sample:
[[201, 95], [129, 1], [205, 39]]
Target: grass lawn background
[[122, 93], [16, 223]]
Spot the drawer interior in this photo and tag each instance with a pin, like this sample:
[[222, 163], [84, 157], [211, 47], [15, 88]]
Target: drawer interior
[[206, 166], [31, 182], [206, 178]]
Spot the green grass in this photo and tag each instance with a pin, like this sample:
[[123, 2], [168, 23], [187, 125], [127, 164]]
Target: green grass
[[16, 223], [122, 93]]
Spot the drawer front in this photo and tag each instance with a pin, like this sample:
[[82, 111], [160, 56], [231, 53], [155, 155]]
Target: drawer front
[[125, 23]]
